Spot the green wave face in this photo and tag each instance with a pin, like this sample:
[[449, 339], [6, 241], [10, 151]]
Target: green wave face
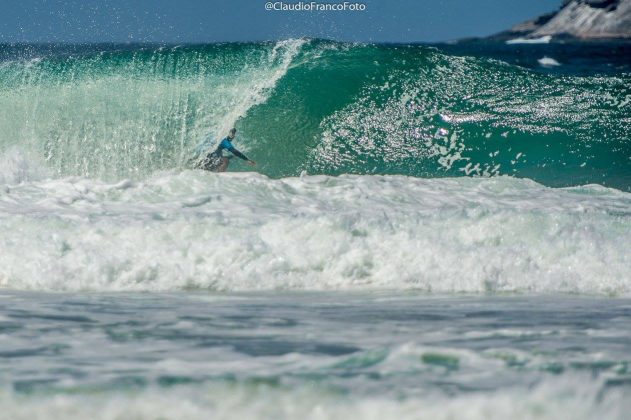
[[319, 107], [120, 113]]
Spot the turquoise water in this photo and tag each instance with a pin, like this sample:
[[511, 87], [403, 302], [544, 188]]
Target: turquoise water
[[431, 232], [315, 106]]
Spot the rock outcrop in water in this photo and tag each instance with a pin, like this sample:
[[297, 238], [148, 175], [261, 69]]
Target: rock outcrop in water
[[580, 19]]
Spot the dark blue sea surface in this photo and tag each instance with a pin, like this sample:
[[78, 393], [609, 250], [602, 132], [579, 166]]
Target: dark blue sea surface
[[575, 58]]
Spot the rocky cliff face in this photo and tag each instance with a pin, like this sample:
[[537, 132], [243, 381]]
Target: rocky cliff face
[[583, 19]]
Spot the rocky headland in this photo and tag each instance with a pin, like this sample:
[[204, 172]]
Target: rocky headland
[[576, 19]]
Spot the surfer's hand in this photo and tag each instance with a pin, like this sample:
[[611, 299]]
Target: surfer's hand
[[251, 163]]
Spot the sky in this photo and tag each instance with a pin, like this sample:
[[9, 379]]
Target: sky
[[198, 21]]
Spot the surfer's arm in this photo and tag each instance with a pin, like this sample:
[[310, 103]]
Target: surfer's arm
[[239, 154]]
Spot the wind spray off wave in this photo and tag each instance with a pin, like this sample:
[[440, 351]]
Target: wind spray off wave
[[117, 113]]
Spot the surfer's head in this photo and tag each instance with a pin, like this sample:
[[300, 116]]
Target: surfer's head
[[232, 133]]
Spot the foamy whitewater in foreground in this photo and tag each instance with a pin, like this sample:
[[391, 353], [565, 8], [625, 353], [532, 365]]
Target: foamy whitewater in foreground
[[244, 231]]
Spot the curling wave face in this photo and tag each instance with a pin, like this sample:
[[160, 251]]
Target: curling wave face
[[315, 106], [194, 230]]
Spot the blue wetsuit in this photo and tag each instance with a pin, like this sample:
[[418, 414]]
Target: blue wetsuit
[[227, 145], [213, 160]]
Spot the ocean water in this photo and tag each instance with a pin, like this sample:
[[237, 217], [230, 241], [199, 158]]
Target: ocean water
[[313, 355], [431, 231]]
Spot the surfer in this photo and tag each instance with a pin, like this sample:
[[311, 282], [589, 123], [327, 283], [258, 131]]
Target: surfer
[[217, 162]]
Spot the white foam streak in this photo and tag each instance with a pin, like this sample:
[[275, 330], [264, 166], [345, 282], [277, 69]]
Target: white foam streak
[[548, 62], [541, 40]]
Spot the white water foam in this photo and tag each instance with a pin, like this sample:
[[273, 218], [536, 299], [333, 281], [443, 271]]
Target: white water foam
[[548, 62], [541, 40], [247, 232], [15, 167], [564, 398]]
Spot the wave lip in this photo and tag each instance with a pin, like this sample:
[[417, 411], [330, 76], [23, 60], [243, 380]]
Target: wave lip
[[247, 232]]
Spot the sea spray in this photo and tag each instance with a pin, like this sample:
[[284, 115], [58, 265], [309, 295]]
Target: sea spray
[[112, 114]]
